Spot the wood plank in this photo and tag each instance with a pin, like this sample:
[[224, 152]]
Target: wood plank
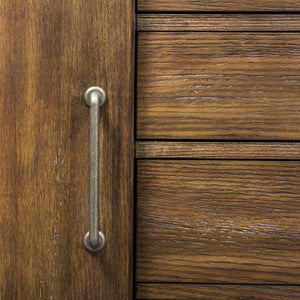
[[217, 150], [50, 53], [217, 5], [218, 22], [218, 222], [214, 291], [237, 86]]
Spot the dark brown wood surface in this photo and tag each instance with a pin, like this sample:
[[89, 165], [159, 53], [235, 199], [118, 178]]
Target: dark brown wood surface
[[50, 52], [217, 150], [237, 86], [218, 22], [216, 292], [218, 222], [217, 5]]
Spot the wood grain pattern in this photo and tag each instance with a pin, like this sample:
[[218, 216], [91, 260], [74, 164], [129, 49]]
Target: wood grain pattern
[[236, 86], [217, 150], [218, 5], [50, 52], [218, 222], [215, 292], [218, 22]]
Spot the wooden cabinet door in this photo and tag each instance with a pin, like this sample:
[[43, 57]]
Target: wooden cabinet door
[[51, 52]]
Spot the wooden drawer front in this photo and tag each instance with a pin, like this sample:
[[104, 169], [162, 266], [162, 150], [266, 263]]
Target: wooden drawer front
[[218, 221], [237, 86], [218, 5]]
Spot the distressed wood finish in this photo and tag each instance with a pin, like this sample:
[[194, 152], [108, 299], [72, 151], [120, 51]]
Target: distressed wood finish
[[236, 86], [218, 222], [217, 150], [50, 52], [213, 292], [218, 22], [218, 5]]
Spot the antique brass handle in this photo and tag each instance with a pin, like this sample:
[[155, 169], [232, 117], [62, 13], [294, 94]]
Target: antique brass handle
[[94, 240]]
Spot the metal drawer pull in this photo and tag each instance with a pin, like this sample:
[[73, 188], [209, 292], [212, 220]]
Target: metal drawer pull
[[94, 240]]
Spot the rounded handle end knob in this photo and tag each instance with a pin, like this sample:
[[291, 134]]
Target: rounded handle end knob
[[89, 247], [94, 90]]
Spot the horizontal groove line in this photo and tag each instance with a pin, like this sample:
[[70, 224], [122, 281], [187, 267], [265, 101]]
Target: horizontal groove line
[[186, 12], [216, 141], [222, 283], [209, 159], [222, 31]]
